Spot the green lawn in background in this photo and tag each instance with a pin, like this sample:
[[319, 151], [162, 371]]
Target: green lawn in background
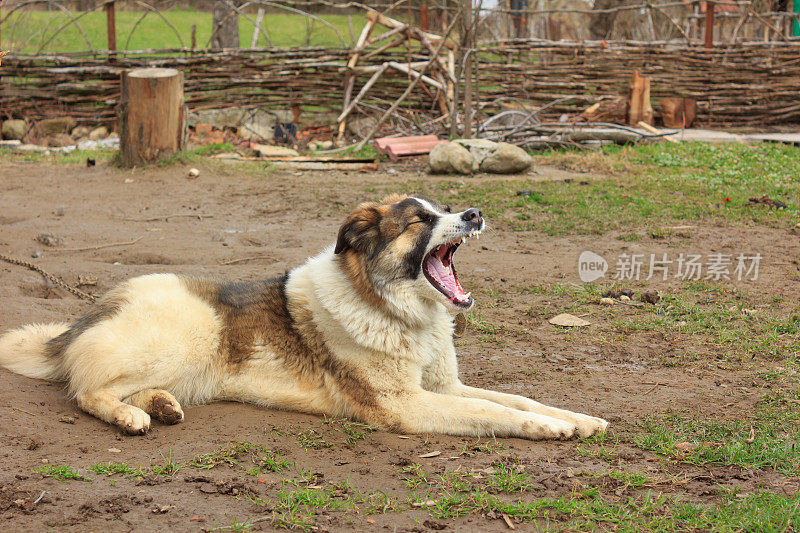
[[26, 31]]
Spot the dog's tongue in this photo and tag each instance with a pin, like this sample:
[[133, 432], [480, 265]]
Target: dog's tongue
[[444, 275]]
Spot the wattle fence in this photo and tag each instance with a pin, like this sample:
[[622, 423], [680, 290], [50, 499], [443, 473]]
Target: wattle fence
[[735, 85]]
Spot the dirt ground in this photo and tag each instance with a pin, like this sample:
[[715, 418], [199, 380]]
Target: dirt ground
[[279, 218]]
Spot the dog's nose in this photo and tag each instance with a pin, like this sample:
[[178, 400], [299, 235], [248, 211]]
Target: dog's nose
[[472, 215]]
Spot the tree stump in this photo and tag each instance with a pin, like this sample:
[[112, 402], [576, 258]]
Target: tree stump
[[151, 115]]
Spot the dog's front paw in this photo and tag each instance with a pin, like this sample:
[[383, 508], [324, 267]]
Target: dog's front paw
[[589, 425], [549, 428], [131, 420]]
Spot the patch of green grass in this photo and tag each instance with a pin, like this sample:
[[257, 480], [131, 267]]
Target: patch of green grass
[[229, 455], [588, 511], [638, 192], [312, 439], [379, 502], [413, 475], [769, 440], [505, 479], [213, 148], [354, 431], [73, 157], [61, 473], [309, 499], [168, 468], [269, 463], [28, 30], [114, 469]]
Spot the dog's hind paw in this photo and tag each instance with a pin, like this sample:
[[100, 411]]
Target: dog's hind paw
[[131, 420], [166, 408]]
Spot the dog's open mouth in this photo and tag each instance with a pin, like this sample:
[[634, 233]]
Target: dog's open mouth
[[441, 273]]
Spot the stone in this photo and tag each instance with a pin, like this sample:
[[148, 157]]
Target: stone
[[98, 133], [14, 129], [79, 132], [248, 123], [506, 159], [268, 150], [51, 126], [479, 148], [451, 157], [30, 148], [59, 139]]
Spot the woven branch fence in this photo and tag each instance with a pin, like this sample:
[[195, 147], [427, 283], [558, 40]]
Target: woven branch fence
[[737, 85]]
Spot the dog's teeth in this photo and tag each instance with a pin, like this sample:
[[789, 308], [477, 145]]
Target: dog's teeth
[[468, 296], [463, 240]]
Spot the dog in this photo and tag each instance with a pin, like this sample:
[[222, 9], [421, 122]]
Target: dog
[[363, 330]]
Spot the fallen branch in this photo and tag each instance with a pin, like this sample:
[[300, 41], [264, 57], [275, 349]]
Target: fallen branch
[[166, 218], [98, 247], [244, 259]]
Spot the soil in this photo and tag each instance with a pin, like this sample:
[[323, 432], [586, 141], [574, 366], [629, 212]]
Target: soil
[[280, 218]]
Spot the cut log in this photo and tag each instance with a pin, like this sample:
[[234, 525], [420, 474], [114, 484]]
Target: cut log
[[639, 108], [677, 112], [151, 115]]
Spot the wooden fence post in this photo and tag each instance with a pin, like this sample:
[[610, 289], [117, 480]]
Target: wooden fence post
[[709, 24], [111, 26]]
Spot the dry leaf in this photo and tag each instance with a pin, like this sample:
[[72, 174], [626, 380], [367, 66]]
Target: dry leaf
[[508, 521], [566, 320], [686, 446], [430, 454]]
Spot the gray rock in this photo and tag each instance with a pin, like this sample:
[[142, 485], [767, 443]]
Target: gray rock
[[249, 123], [450, 157], [14, 129], [479, 148], [506, 159], [51, 126], [79, 132], [98, 133], [59, 139]]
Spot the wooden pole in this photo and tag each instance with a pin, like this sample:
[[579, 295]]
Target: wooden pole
[[709, 24], [150, 115], [111, 27], [467, 18]]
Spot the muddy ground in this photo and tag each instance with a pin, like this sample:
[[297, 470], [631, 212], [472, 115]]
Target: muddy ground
[[279, 218]]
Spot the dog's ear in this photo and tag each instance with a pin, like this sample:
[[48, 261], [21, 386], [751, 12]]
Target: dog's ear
[[361, 231]]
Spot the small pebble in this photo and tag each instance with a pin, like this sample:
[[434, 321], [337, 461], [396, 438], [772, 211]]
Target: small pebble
[[60, 211], [193, 173], [625, 298], [607, 301]]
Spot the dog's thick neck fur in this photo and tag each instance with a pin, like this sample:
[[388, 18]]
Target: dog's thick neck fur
[[401, 312]]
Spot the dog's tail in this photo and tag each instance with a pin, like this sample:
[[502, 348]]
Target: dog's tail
[[24, 350]]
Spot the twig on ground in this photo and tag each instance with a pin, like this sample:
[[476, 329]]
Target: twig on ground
[[167, 217], [98, 247], [243, 259], [37, 500]]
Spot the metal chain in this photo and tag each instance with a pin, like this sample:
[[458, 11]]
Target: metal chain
[[77, 292]]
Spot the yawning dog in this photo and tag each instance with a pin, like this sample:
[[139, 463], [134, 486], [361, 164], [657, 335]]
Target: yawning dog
[[362, 330]]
